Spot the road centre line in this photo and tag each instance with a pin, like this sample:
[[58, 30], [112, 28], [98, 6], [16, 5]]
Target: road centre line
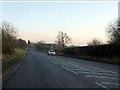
[[84, 72], [102, 70], [69, 70], [110, 83], [101, 77], [53, 62], [84, 69], [95, 71], [100, 85]]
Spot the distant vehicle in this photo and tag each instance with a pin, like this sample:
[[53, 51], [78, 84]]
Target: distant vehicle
[[51, 52]]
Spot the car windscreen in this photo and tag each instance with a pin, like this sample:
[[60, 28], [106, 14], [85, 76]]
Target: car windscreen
[[51, 51]]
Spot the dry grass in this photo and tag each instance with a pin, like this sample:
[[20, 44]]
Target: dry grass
[[10, 61]]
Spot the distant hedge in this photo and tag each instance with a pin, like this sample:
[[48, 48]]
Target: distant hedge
[[104, 51]]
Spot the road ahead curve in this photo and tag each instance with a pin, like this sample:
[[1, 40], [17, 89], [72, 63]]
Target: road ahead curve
[[39, 70]]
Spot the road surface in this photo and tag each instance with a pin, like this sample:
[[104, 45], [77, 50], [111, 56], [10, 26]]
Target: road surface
[[38, 70]]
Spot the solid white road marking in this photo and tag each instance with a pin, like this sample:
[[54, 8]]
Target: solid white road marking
[[100, 85], [100, 77], [110, 83], [69, 69]]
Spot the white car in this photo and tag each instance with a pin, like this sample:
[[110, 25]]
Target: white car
[[51, 52]]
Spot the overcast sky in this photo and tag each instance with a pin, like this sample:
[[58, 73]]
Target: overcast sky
[[82, 21]]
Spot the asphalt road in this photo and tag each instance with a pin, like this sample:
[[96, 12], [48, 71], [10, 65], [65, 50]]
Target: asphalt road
[[38, 70]]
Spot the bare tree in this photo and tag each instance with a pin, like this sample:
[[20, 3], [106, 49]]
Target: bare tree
[[8, 37], [20, 43], [63, 39], [113, 31], [40, 44], [94, 42]]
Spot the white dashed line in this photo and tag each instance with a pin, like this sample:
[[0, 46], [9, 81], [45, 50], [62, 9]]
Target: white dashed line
[[81, 68], [69, 69], [53, 62], [100, 85], [84, 72], [77, 69], [101, 77], [110, 83]]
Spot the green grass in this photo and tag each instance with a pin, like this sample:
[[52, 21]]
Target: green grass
[[12, 60], [20, 52]]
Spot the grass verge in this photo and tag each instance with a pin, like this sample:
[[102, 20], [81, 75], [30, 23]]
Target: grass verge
[[13, 60], [115, 61], [101, 59]]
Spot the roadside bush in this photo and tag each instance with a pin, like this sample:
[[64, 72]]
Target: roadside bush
[[8, 38]]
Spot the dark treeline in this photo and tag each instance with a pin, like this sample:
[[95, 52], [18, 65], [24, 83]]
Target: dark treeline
[[108, 51], [111, 52], [98, 50]]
